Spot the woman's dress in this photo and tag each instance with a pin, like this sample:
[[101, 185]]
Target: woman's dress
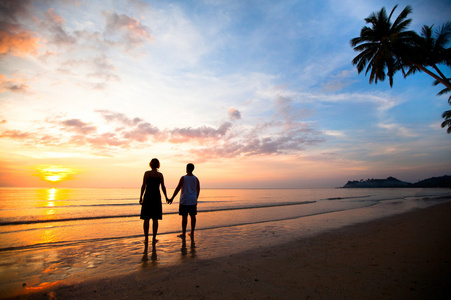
[[151, 207]]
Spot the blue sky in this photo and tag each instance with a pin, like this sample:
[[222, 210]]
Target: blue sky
[[255, 93]]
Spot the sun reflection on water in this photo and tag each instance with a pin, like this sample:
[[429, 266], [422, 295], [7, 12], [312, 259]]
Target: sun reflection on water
[[52, 193]]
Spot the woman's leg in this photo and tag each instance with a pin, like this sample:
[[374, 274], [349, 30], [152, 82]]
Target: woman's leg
[[154, 230], [146, 231]]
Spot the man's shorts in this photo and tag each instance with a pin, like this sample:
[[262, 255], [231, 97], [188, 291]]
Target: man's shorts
[[184, 210]]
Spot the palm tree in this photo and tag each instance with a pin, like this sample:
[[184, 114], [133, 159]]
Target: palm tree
[[386, 48], [383, 46], [430, 51], [447, 114]]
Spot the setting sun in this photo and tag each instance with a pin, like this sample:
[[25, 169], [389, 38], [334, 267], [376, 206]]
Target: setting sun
[[55, 173]]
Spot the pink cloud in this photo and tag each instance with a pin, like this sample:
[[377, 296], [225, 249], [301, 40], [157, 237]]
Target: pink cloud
[[15, 85], [282, 135], [15, 134], [78, 126]]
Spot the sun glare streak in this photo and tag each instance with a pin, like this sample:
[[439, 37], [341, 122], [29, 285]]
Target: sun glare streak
[[55, 174], [51, 196]]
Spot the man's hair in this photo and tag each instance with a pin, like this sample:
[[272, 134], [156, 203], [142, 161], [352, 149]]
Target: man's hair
[[190, 167]]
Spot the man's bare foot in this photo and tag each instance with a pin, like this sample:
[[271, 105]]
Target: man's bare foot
[[154, 241], [191, 234], [182, 236]]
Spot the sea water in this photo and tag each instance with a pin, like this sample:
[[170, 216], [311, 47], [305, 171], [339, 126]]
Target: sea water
[[49, 235]]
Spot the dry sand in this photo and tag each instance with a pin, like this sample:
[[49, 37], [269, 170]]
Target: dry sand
[[406, 256]]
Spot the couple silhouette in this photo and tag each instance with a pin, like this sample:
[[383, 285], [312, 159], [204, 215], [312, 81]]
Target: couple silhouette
[[150, 200]]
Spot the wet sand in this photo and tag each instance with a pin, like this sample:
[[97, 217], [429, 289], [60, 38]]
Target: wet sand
[[406, 256]]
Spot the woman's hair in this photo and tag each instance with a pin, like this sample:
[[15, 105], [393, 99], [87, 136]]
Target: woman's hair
[[154, 163]]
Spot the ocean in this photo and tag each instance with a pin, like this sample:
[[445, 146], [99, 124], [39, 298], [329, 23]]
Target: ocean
[[53, 236]]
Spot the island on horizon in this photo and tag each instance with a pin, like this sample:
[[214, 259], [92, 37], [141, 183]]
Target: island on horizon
[[392, 182]]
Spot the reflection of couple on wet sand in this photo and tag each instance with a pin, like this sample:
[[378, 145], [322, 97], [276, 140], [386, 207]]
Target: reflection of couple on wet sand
[[151, 202]]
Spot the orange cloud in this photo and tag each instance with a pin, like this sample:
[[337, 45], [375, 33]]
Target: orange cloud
[[17, 43], [53, 17]]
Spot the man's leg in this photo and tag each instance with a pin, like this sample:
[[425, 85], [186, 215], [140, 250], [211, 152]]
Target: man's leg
[[193, 225], [184, 223]]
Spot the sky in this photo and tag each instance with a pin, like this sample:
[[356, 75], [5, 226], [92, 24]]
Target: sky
[[257, 94]]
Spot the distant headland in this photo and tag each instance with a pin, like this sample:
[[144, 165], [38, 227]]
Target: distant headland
[[391, 182]]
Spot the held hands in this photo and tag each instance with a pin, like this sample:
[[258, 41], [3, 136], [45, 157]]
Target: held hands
[[169, 200]]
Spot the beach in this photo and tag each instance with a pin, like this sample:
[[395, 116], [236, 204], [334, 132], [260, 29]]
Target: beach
[[404, 256]]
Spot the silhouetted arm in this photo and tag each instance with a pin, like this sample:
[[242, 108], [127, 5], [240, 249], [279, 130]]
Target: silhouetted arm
[[177, 189], [143, 188], [163, 187]]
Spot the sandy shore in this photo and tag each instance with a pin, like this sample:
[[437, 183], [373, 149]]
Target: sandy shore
[[406, 256]]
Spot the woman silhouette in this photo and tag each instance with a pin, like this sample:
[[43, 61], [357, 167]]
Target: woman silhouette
[[151, 204]]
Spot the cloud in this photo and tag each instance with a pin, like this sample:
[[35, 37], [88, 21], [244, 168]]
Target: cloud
[[335, 133], [129, 32], [55, 25], [234, 114], [136, 129], [15, 134], [118, 117], [182, 135], [108, 139], [104, 69], [397, 130], [10, 10], [141, 132], [78, 126], [339, 81], [97, 71], [281, 134], [52, 17], [284, 133], [15, 85], [16, 41]]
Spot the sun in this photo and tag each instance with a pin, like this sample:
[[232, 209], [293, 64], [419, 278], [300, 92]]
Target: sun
[[55, 174]]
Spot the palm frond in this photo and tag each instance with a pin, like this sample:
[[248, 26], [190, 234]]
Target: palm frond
[[447, 116]]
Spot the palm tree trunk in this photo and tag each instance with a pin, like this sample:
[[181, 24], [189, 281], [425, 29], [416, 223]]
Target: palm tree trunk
[[443, 80], [440, 72]]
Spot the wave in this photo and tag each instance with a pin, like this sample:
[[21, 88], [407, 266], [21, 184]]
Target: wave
[[347, 198], [28, 222], [83, 241]]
